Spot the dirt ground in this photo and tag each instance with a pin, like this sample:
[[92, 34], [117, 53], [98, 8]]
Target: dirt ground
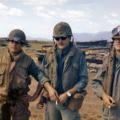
[[91, 109]]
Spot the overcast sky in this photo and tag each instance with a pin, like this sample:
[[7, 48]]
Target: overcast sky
[[38, 17]]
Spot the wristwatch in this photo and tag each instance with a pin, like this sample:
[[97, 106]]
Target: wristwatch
[[68, 94]]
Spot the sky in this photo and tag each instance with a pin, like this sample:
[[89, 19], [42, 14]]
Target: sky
[[38, 17]]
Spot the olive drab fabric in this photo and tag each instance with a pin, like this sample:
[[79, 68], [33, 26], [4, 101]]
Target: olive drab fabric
[[19, 75], [109, 69], [62, 29], [13, 77], [12, 74], [71, 73], [106, 73], [4, 74], [50, 67], [107, 80], [74, 74]]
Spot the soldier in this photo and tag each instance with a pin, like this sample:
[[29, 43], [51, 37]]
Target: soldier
[[65, 66], [106, 84], [15, 67]]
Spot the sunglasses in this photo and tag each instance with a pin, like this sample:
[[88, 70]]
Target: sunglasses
[[16, 42], [60, 38]]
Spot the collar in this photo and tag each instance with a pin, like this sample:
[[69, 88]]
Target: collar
[[64, 51], [16, 57]]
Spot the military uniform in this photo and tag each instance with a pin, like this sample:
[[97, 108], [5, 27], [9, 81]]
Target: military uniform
[[14, 72], [66, 69], [108, 80]]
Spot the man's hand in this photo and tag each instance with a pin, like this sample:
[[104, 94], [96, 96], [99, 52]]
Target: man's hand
[[53, 95], [108, 101], [63, 97], [52, 92]]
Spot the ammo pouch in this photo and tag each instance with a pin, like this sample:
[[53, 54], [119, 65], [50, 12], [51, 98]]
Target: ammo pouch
[[76, 101], [15, 94]]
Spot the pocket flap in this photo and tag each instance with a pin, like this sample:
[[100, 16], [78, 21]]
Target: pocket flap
[[80, 95], [75, 65], [2, 70]]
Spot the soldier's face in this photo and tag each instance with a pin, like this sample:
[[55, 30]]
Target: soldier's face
[[14, 47], [62, 42], [117, 44]]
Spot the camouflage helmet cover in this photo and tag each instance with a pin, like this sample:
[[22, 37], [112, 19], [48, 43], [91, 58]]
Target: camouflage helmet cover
[[116, 33], [17, 35], [62, 29]]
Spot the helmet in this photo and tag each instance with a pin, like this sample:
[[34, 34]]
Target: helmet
[[62, 29], [17, 35], [116, 33]]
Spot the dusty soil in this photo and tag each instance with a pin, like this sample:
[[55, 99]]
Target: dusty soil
[[91, 109]]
